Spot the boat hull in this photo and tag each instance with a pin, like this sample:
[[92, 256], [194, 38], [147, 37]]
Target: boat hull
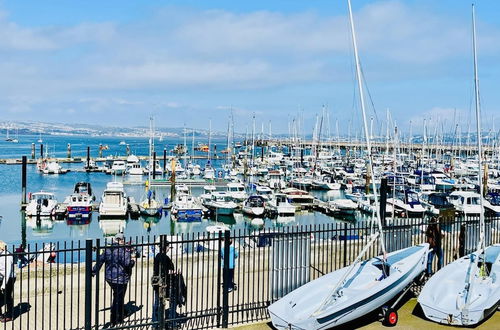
[[363, 292], [442, 299]]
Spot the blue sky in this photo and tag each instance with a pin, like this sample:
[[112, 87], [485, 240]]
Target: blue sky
[[117, 62]]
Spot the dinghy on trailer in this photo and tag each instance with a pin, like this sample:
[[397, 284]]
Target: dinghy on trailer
[[354, 291], [370, 286], [467, 291]]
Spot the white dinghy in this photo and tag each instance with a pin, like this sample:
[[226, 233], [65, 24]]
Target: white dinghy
[[466, 291], [362, 287]]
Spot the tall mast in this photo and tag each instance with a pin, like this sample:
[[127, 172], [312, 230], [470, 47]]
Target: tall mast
[[365, 126], [480, 245]]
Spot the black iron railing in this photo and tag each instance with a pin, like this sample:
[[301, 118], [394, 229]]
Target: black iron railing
[[56, 288]]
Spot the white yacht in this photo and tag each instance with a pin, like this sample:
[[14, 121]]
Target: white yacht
[[41, 204], [119, 167], [264, 192], [237, 191], [280, 206], [113, 201], [221, 203], [467, 203], [134, 166]]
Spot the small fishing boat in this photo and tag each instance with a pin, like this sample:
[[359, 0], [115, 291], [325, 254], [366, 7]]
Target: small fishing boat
[[79, 204], [186, 208], [41, 204]]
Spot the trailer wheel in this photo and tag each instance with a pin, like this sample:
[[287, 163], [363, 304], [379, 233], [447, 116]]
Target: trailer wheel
[[390, 317]]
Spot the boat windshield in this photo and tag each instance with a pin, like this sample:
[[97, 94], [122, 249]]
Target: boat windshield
[[473, 200], [42, 196]]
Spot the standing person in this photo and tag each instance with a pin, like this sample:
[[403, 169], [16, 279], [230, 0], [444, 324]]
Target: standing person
[[434, 236], [163, 267], [119, 263], [233, 254], [8, 278]]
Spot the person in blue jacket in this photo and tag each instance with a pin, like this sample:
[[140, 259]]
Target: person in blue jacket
[[233, 254], [119, 263]]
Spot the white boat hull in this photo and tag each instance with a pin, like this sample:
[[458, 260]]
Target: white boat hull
[[362, 293], [442, 298]]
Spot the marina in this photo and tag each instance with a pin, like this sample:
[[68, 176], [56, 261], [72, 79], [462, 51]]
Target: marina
[[192, 166]]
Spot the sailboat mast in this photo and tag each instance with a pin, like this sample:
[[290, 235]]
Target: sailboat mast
[[365, 126], [479, 138]]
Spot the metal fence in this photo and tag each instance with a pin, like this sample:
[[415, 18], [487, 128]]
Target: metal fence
[[55, 287]]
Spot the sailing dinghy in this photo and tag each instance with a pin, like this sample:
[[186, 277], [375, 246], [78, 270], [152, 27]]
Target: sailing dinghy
[[315, 306], [466, 291], [362, 287]]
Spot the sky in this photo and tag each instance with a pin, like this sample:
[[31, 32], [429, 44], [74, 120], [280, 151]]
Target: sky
[[188, 62]]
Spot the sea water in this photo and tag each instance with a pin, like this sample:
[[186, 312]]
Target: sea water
[[15, 228]]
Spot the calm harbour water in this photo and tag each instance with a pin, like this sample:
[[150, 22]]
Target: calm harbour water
[[12, 230]]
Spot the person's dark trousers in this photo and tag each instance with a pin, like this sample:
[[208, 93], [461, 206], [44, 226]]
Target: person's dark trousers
[[439, 253], [118, 304], [231, 278], [156, 306], [7, 299]]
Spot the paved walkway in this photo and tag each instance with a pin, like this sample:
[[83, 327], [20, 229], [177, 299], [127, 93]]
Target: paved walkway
[[409, 318]]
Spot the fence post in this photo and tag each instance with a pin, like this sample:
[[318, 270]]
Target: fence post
[[162, 285], [345, 245], [96, 309], [225, 290], [88, 284], [219, 282]]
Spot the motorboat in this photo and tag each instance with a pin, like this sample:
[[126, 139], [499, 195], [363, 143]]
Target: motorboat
[[264, 192], [343, 206], [492, 203], [119, 167], [79, 204], [51, 167], [237, 191], [467, 203], [407, 201], [186, 208], [326, 182], [254, 206], [113, 201], [275, 179], [134, 166], [437, 203], [280, 206], [41, 204], [298, 197], [220, 203]]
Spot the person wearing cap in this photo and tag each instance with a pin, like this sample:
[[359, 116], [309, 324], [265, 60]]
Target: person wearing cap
[[163, 267], [8, 278], [434, 236], [119, 263]]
